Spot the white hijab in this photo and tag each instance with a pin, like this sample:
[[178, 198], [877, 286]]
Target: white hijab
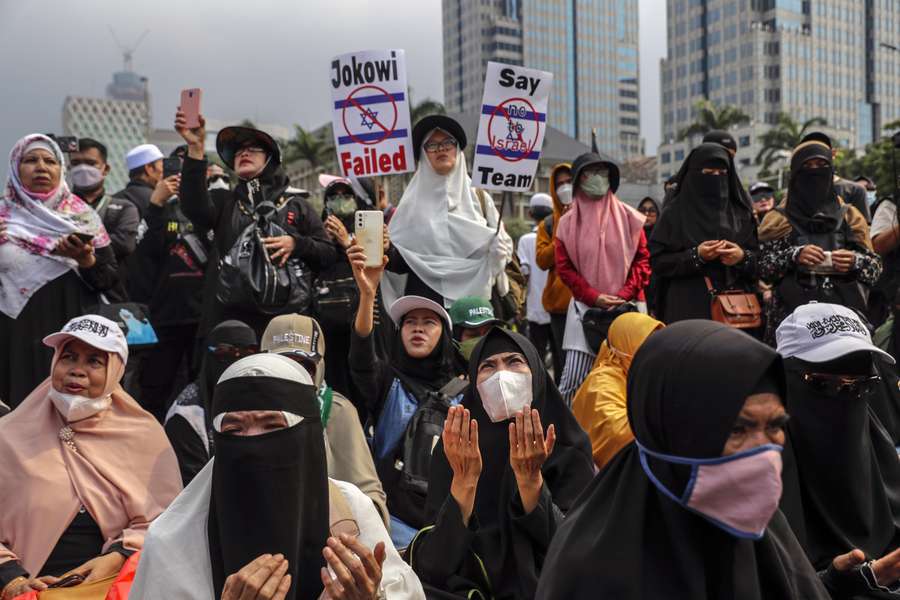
[[444, 237]]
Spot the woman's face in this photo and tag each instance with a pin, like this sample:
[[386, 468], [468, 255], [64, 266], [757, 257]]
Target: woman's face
[[420, 332], [589, 172], [39, 171], [442, 151], [80, 370], [762, 421], [505, 361], [252, 422], [815, 163], [648, 209], [250, 161], [718, 171]]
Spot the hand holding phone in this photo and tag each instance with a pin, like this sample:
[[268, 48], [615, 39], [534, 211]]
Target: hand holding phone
[[85, 238], [190, 106], [370, 235], [68, 581]]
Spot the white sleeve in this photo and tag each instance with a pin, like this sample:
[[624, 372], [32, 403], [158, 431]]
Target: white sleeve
[[884, 219], [398, 581]]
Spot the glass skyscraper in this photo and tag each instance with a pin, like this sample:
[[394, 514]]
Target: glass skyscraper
[[590, 46]]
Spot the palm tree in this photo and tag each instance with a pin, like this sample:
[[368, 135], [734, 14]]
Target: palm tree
[[424, 108], [709, 117], [307, 146], [784, 137]]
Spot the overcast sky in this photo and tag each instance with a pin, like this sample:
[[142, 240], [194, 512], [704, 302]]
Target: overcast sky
[[266, 60]]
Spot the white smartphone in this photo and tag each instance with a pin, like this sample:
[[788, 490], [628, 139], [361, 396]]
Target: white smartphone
[[370, 235]]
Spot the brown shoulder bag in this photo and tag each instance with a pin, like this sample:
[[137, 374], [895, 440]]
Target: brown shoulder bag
[[735, 308]]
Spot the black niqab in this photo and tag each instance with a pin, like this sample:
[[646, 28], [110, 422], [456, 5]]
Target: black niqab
[[508, 555], [846, 493], [706, 207], [625, 539], [270, 491], [812, 202]]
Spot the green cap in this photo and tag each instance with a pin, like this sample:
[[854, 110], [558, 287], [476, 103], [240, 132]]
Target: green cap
[[472, 311]]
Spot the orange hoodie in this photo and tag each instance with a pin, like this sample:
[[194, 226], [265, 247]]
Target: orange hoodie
[[556, 294]]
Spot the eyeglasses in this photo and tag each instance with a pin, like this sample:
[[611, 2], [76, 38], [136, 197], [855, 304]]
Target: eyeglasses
[[223, 352], [834, 385], [446, 145], [647, 210], [250, 150]]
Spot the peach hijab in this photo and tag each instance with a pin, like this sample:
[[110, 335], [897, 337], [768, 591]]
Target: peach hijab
[[119, 466]]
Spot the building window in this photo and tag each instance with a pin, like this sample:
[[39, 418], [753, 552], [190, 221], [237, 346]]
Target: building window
[[665, 158], [679, 155], [744, 141]]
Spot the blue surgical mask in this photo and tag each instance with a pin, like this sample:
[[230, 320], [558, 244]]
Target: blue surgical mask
[[738, 494]]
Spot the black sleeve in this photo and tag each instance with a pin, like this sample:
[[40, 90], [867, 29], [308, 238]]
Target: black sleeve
[[9, 571], [396, 262], [195, 199], [121, 549], [123, 230], [683, 263], [541, 523], [103, 275], [312, 244], [367, 370], [439, 551], [189, 449], [154, 241]]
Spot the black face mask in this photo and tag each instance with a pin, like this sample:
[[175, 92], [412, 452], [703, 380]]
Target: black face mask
[[816, 181], [713, 188]]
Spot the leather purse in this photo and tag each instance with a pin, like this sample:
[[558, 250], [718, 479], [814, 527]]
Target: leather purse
[[735, 308]]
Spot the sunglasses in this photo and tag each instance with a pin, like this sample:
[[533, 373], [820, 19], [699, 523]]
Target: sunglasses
[[223, 352], [835, 385], [647, 210]]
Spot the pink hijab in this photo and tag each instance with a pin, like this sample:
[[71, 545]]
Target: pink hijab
[[124, 473], [601, 236]]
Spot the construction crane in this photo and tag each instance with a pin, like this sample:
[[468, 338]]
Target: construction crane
[[128, 53]]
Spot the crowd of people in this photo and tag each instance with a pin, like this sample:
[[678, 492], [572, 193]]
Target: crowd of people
[[696, 397]]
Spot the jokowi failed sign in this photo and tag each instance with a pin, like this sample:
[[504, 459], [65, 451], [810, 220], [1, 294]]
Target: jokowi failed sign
[[371, 113], [512, 126]]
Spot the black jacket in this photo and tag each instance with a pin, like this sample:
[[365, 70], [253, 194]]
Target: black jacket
[[219, 212]]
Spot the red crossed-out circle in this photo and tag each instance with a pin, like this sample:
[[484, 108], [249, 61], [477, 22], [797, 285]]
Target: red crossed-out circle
[[350, 101], [500, 110]]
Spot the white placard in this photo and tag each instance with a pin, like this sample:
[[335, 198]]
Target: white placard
[[372, 133], [511, 128]]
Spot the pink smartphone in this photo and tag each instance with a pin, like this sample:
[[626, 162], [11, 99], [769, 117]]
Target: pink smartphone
[[190, 106]]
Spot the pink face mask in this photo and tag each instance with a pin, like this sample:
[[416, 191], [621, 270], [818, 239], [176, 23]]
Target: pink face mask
[[737, 493]]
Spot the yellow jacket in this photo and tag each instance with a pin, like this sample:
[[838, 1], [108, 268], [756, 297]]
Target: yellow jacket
[[600, 403]]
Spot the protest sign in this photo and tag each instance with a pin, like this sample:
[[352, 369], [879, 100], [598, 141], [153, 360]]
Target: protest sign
[[511, 128], [371, 113]]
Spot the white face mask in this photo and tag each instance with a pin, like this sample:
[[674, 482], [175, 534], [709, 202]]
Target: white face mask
[[871, 197], [73, 407], [564, 193], [597, 184], [85, 177], [505, 393], [218, 184]]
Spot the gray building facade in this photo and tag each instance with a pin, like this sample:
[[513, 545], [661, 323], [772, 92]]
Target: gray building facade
[[835, 59], [590, 46]]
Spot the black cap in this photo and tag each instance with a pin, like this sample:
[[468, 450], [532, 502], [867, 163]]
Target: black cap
[[722, 138], [591, 158], [817, 136], [428, 124], [232, 139]]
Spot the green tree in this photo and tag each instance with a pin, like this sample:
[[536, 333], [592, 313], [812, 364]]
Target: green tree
[[424, 108], [709, 117], [310, 147], [875, 164], [784, 136]]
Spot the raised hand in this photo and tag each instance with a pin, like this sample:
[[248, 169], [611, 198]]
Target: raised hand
[[460, 438], [367, 278], [528, 451], [357, 569], [265, 578], [195, 137]]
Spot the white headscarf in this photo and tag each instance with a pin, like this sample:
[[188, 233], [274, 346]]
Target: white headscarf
[[443, 236], [34, 225]]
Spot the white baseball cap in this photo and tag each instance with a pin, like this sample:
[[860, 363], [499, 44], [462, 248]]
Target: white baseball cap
[[95, 331], [404, 305], [819, 332], [142, 155]]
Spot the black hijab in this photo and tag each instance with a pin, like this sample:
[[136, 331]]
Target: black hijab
[[512, 562], [706, 207], [625, 539], [270, 491], [843, 488], [429, 373], [272, 180], [812, 201], [648, 228]]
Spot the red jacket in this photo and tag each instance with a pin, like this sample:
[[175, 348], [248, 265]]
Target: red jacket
[[637, 280]]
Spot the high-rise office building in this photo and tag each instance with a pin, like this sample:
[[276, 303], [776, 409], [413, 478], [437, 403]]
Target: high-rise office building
[[835, 59], [590, 46]]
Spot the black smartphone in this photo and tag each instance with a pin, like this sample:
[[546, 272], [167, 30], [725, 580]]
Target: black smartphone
[[66, 143], [70, 581], [171, 166], [85, 238]]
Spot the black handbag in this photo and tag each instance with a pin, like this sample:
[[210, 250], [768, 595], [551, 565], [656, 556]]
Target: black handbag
[[250, 281], [336, 302], [596, 322]]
